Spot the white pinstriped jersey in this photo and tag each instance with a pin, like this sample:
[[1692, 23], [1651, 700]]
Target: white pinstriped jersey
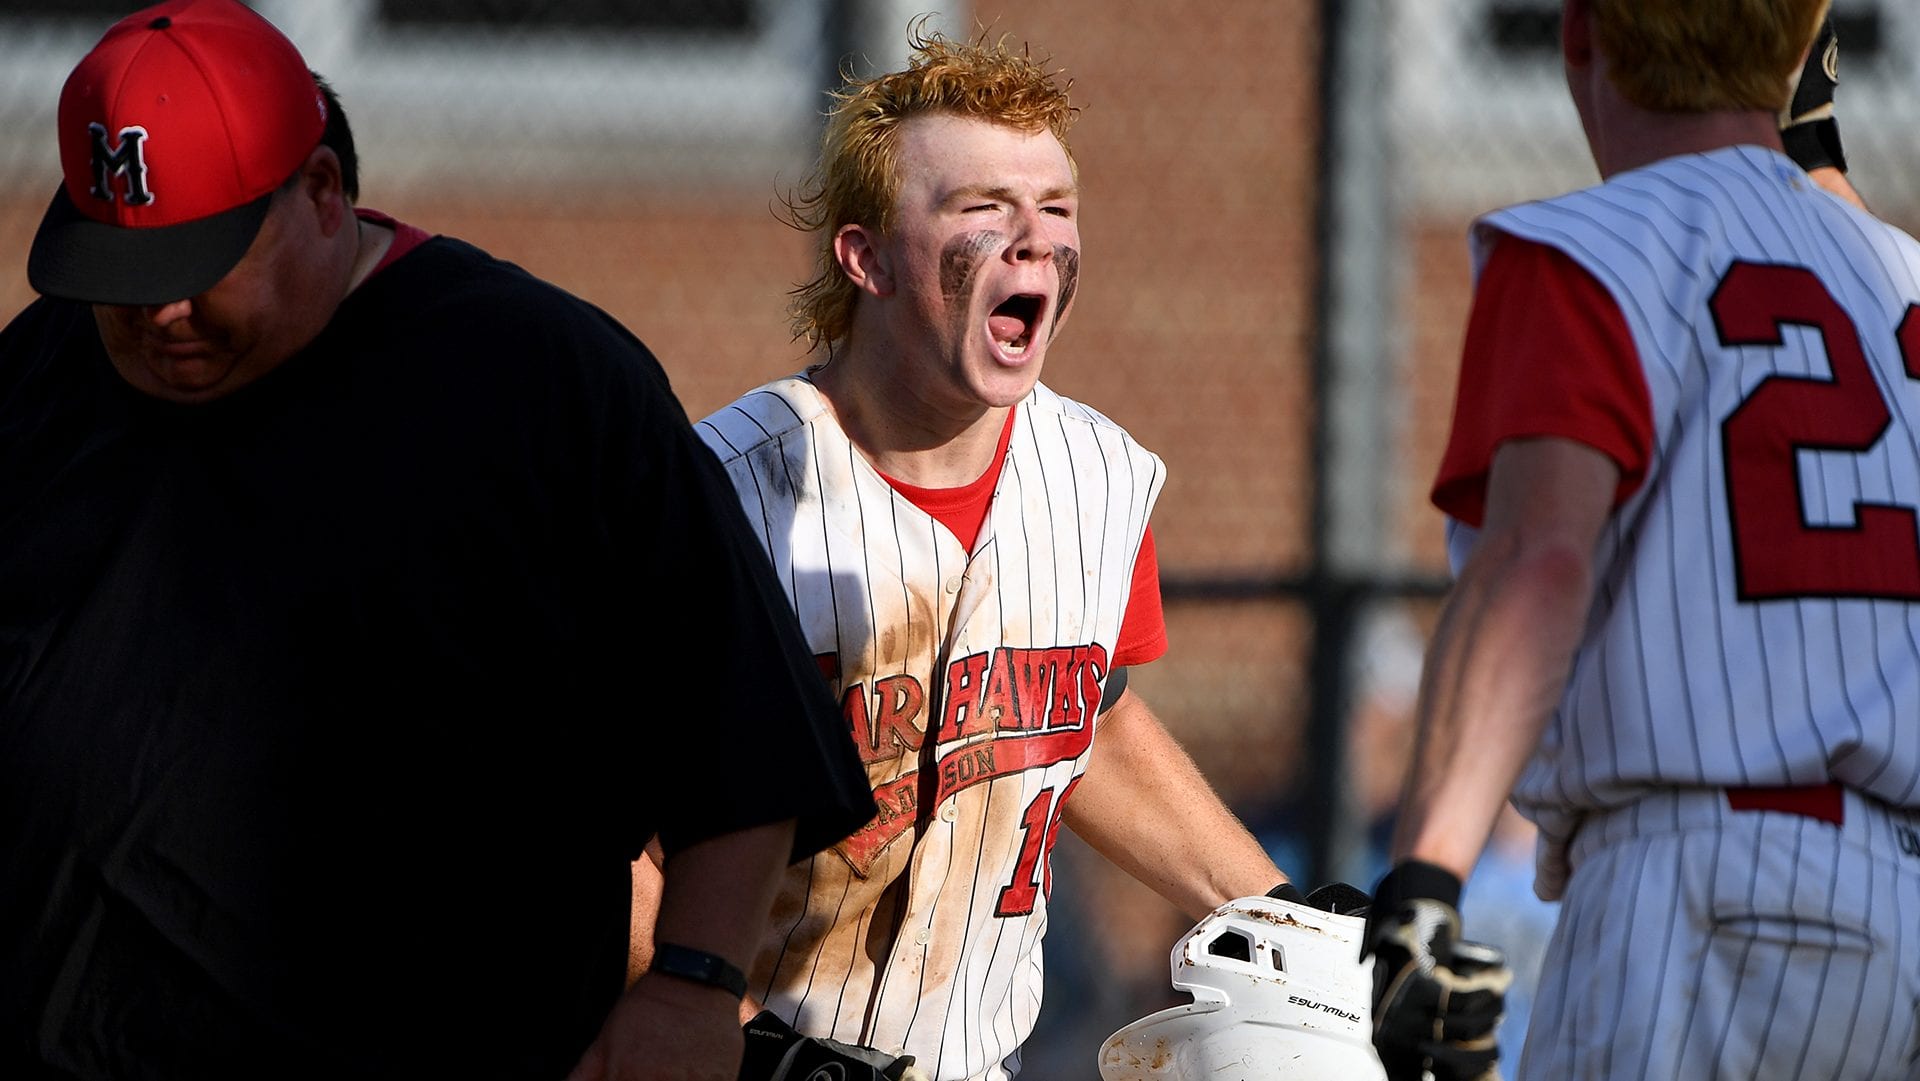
[[970, 682], [1756, 625], [1758, 618]]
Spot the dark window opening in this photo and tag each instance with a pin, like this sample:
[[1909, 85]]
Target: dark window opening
[[88, 10], [1232, 944], [727, 16]]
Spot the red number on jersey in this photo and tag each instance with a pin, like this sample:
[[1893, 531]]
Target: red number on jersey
[[1776, 553], [1033, 875]]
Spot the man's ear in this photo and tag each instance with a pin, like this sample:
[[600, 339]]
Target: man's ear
[[321, 183], [863, 260]]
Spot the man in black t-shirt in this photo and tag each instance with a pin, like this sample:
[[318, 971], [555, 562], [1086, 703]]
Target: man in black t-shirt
[[343, 662]]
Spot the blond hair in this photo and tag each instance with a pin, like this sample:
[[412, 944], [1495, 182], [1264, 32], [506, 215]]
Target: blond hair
[[857, 178], [1705, 55]]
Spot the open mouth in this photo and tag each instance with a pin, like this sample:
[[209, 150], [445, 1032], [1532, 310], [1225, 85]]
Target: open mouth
[[1013, 321]]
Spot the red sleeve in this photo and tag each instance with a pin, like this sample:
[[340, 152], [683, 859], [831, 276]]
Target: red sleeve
[[1143, 630], [1547, 354]]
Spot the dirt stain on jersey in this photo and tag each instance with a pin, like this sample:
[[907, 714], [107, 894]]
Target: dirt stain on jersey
[[770, 461], [913, 639]]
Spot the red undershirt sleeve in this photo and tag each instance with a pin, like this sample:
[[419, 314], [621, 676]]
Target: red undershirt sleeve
[[1548, 354], [1143, 629]]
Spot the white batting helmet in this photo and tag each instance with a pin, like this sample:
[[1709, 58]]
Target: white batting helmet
[[1279, 994]]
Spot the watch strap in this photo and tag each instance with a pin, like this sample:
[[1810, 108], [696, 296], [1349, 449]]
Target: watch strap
[[699, 966]]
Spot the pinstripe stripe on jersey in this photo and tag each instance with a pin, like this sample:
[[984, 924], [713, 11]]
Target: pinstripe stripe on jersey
[[903, 610]]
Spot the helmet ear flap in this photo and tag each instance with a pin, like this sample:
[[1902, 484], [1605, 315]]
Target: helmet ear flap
[[1277, 990]]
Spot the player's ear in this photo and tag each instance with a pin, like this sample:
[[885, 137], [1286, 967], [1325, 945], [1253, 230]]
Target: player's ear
[[864, 260], [1576, 33]]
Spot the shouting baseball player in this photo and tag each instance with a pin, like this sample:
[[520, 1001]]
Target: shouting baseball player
[[1682, 483], [969, 555]]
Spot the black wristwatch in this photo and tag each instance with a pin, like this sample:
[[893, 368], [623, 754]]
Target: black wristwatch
[[699, 966]]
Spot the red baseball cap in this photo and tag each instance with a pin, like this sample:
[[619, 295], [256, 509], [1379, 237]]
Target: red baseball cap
[[175, 131]]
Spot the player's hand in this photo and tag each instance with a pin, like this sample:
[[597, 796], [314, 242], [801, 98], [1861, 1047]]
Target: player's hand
[[666, 1029], [1808, 129], [1437, 1001], [775, 1052]]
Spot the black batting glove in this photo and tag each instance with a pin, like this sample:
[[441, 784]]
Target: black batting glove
[[775, 1052], [1808, 130], [1437, 1001], [1338, 898], [1288, 892], [1341, 899]]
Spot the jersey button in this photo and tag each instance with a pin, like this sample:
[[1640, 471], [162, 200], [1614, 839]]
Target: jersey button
[[923, 936], [953, 584], [950, 812]]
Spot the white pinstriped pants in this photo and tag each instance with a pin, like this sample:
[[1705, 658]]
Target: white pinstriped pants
[[1704, 944]]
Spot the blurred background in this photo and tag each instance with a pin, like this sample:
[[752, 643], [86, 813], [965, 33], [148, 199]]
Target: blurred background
[[1275, 199]]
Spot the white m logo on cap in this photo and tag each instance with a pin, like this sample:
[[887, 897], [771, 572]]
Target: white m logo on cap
[[129, 160]]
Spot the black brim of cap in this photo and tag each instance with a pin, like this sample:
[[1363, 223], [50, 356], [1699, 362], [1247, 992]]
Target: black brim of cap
[[76, 258]]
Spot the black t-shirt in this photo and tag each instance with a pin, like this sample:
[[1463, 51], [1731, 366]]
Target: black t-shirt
[[332, 711]]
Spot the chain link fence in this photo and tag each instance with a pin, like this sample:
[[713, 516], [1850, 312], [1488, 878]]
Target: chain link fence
[[1275, 199]]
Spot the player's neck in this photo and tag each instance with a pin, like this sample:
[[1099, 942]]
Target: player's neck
[[1631, 137], [903, 433]]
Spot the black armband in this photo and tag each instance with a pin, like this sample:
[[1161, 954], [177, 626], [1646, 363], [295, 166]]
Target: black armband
[[699, 966]]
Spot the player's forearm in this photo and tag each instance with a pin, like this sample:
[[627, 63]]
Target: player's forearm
[[649, 881], [1144, 805], [717, 893], [1495, 673]]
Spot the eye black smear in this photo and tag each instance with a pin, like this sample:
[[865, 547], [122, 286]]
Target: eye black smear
[[960, 260], [1066, 263]]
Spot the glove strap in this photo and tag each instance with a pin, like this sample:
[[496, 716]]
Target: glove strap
[[699, 966], [1413, 879], [1814, 144]]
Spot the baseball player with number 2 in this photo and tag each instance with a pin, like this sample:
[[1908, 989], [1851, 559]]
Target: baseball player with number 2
[[1682, 488], [969, 555]]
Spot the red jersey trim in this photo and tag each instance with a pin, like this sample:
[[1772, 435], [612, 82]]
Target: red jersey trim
[[1548, 354], [405, 237]]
